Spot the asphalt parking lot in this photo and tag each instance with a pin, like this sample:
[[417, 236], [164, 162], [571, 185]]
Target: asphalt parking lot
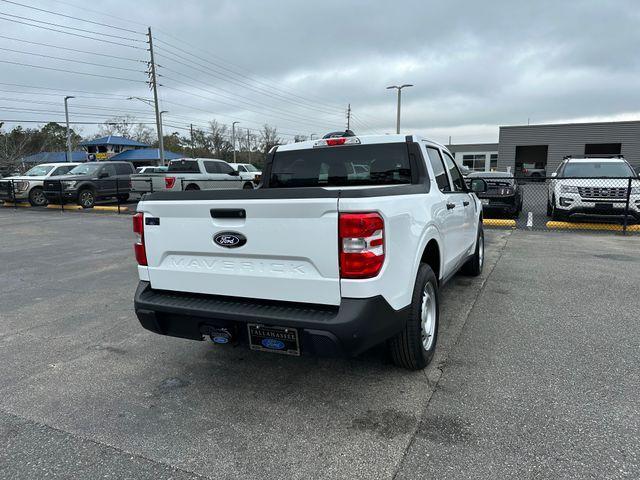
[[537, 373]]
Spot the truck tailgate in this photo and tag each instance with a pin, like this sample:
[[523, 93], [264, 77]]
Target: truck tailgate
[[290, 254], [147, 182]]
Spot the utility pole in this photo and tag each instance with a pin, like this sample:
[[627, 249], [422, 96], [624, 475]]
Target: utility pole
[[66, 114], [191, 128], [399, 88], [249, 143], [349, 117], [233, 139], [154, 85]]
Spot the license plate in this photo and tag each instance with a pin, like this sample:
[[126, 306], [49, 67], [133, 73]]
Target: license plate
[[267, 338], [604, 206], [485, 201]]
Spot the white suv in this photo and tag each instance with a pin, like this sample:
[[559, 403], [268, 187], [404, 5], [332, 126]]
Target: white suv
[[593, 186]]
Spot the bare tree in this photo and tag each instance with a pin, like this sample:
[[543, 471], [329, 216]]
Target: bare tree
[[300, 138], [126, 126], [219, 134], [269, 138]]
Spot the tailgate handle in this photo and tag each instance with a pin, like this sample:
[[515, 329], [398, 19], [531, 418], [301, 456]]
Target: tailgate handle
[[228, 213]]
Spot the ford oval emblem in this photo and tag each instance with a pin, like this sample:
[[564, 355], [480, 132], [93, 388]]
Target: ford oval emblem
[[272, 343], [229, 239]]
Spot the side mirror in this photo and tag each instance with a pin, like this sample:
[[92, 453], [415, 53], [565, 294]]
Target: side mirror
[[234, 173], [103, 174], [554, 174], [478, 185]]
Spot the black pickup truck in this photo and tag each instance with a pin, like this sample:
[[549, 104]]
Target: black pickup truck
[[91, 181]]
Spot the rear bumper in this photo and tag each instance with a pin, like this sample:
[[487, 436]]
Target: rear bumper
[[500, 203], [355, 326]]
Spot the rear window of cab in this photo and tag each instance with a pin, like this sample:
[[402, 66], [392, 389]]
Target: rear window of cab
[[376, 164]]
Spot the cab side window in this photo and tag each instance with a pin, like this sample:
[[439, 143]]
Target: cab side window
[[224, 168], [61, 170], [211, 167], [438, 169], [123, 169], [110, 169], [456, 176]]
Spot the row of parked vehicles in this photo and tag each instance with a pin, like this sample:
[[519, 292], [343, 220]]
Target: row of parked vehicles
[[584, 186], [85, 183]]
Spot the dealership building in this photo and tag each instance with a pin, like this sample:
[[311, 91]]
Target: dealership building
[[544, 146]]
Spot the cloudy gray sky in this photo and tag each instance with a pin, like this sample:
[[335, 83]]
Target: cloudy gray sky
[[475, 65]]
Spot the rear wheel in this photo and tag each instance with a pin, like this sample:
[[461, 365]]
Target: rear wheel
[[192, 186], [248, 186], [86, 198], [414, 347], [37, 198], [474, 265]]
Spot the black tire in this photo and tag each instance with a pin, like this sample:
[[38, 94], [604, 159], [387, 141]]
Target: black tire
[[192, 186], [408, 348], [248, 186], [474, 265], [37, 198], [549, 211], [86, 198], [123, 198]]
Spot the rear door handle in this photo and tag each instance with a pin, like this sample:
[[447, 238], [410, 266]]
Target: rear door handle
[[451, 206], [465, 203]]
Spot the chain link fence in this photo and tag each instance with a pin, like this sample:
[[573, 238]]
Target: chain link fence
[[553, 203]]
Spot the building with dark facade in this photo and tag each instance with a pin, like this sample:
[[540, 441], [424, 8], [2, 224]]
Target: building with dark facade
[[544, 146]]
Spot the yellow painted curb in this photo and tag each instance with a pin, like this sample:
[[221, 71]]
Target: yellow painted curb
[[499, 222], [109, 208], [21, 205], [612, 227], [67, 206]]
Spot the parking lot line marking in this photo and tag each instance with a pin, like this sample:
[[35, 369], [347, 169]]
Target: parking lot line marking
[[499, 222], [530, 219], [21, 205], [69, 206], [591, 226], [109, 208]]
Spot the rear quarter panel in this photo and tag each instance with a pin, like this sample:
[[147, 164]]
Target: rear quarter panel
[[409, 225]]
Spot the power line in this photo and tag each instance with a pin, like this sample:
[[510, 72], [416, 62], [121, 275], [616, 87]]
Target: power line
[[71, 71], [208, 71], [273, 85], [64, 91], [71, 33], [58, 47], [63, 121], [71, 28], [232, 105], [71, 60], [248, 101], [73, 18]]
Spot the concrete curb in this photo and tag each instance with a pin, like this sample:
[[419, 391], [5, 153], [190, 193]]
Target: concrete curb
[[109, 208], [499, 222], [67, 206], [21, 204], [612, 227]]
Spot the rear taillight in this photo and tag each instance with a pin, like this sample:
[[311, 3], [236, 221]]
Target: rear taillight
[[138, 247], [525, 170], [361, 237], [169, 182]]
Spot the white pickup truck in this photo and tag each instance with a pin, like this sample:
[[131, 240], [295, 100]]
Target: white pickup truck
[[191, 174], [318, 260]]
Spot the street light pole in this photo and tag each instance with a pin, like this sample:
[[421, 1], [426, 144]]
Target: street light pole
[[66, 114], [233, 139], [311, 136], [399, 88]]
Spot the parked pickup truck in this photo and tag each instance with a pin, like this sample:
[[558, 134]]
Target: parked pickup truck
[[318, 260], [90, 181], [28, 186], [191, 174]]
